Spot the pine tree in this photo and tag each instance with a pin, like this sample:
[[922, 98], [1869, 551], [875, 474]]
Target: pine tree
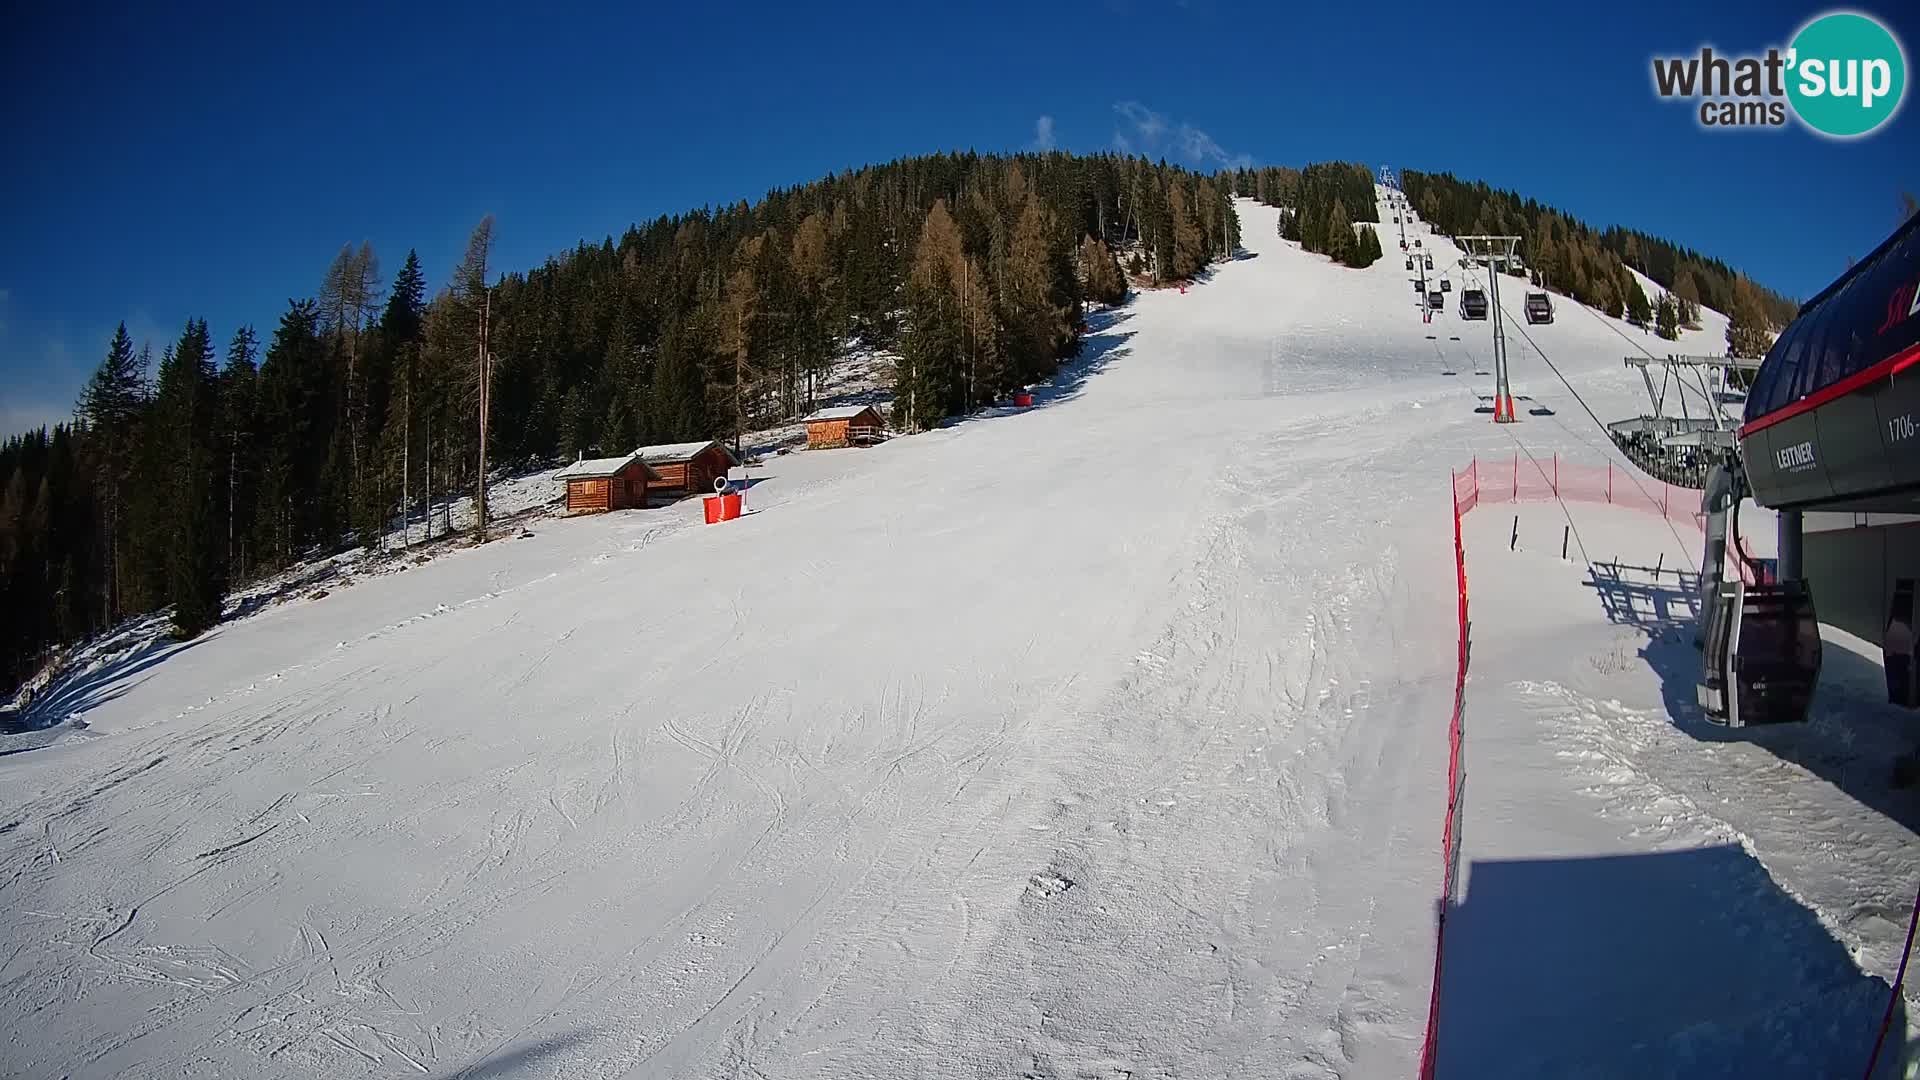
[[1639, 312], [1667, 318], [1366, 248], [291, 396], [110, 407], [239, 430], [399, 334], [186, 407]]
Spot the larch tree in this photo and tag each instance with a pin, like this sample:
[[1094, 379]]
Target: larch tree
[[1105, 283], [1189, 242], [1686, 295], [1748, 332], [927, 372]]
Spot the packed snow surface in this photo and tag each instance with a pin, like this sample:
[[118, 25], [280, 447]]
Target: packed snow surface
[[1100, 739]]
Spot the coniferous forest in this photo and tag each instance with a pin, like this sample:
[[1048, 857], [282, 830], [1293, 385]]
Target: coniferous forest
[[225, 454], [1324, 203]]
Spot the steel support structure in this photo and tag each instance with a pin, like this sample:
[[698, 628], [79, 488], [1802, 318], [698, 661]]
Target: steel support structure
[[1498, 251]]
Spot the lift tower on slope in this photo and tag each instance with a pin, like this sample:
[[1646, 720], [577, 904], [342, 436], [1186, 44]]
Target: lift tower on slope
[[1498, 251]]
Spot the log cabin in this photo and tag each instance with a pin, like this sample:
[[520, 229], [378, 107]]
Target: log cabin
[[597, 485], [847, 425], [687, 468]]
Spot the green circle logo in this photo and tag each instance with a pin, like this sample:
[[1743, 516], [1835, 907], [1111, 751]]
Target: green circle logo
[[1846, 74]]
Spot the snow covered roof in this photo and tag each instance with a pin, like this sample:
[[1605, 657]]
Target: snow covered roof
[[840, 412], [666, 453], [594, 468]]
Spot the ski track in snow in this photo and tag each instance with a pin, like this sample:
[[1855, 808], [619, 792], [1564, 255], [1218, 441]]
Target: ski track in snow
[[1100, 740]]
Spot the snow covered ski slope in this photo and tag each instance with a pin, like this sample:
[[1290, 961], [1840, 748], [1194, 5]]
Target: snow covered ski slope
[[1101, 739]]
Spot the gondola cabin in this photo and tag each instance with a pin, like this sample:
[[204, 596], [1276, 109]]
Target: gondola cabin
[[1832, 429], [687, 468], [848, 425], [597, 485]]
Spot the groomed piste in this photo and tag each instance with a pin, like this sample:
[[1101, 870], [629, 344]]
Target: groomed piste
[[1101, 738]]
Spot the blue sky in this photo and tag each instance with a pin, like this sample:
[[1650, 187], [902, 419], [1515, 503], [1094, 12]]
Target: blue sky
[[209, 161]]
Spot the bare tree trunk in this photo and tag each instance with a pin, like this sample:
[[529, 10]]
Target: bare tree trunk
[[486, 388], [233, 467], [113, 559], [406, 475], [353, 405]]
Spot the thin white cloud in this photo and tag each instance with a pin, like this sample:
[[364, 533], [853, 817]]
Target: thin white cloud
[[1154, 134], [1043, 133], [18, 417]]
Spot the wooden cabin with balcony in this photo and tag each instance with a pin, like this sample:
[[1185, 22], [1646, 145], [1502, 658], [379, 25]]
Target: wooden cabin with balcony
[[848, 425]]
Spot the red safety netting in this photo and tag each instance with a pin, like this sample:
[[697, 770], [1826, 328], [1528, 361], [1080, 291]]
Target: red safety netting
[[1465, 496], [1534, 479], [1523, 479]]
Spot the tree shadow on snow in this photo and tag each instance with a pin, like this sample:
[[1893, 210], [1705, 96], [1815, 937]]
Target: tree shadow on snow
[[85, 687], [1851, 737], [520, 1061], [1103, 344], [1679, 963]]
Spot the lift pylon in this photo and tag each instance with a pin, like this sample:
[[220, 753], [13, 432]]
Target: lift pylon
[[1497, 251]]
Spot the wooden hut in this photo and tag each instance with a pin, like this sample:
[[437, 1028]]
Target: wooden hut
[[600, 484], [686, 468], [845, 426]]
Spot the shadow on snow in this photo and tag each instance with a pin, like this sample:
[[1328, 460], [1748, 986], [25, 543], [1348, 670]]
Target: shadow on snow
[[519, 1061], [1102, 344], [1677, 963], [1852, 737]]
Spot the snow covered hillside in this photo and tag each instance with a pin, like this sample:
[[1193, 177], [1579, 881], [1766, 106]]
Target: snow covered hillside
[[1100, 739]]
